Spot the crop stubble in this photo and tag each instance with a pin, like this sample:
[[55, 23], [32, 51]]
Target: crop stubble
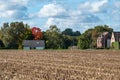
[[60, 65]]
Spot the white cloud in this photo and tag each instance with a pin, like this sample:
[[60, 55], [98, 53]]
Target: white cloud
[[92, 6], [96, 5], [15, 9], [71, 22], [50, 21], [18, 2], [89, 13], [117, 4], [64, 18], [22, 2], [51, 10], [110, 12]]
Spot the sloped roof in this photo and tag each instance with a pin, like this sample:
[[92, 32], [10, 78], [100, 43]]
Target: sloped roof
[[117, 36], [105, 34], [33, 43]]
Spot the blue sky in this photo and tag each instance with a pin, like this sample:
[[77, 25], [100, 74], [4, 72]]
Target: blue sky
[[76, 14]]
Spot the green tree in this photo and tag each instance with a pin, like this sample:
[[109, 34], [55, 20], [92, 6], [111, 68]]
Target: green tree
[[69, 31], [89, 38], [76, 33], [14, 34], [84, 41], [67, 41], [29, 35], [97, 31], [1, 44], [53, 38], [70, 38]]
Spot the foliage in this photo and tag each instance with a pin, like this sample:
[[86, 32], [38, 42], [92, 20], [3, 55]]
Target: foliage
[[70, 38], [69, 41], [12, 35], [89, 38], [84, 41], [56, 39], [70, 32], [1, 44], [116, 45], [29, 35], [37, 33], [53, 38]]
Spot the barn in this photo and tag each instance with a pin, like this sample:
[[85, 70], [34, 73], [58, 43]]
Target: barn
[[33, 44]]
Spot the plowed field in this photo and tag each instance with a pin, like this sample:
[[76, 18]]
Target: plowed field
[[60, 65]]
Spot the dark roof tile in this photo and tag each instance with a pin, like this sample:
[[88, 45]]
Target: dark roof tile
[[34, 43], [116, 35]]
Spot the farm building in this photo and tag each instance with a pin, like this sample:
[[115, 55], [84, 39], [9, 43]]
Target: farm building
[[33, 44], [115, 40], [103, 41], [107, 40]]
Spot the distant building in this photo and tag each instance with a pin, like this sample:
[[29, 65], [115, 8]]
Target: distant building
[[103, 41], [33, 44], [115, 37], [107, 40], [115, 40]]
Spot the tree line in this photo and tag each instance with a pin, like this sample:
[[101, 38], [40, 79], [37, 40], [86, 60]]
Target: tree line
[[88, 40], [13, 34]]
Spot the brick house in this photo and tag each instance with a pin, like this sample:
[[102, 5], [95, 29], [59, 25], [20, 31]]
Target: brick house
[[107, 40], [103, 41]]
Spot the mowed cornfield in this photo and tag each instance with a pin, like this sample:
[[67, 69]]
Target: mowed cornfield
[[59, 65]]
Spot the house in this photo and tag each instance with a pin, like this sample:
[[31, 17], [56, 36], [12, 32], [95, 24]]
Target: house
[[107, 40], [115, 40], [33, 44], [103, 41]]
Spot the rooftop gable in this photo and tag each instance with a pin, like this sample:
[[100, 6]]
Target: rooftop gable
[[33, 43], [116, 36]]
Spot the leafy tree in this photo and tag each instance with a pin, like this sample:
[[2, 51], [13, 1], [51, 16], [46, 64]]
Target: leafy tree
[[29, 35], [70, 38], [84, 41], [14, 34], [69, 41], [70, 32], [1, 44], [89, 38], [37, 33], [53, 38], [97, 31], [77, 33]]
